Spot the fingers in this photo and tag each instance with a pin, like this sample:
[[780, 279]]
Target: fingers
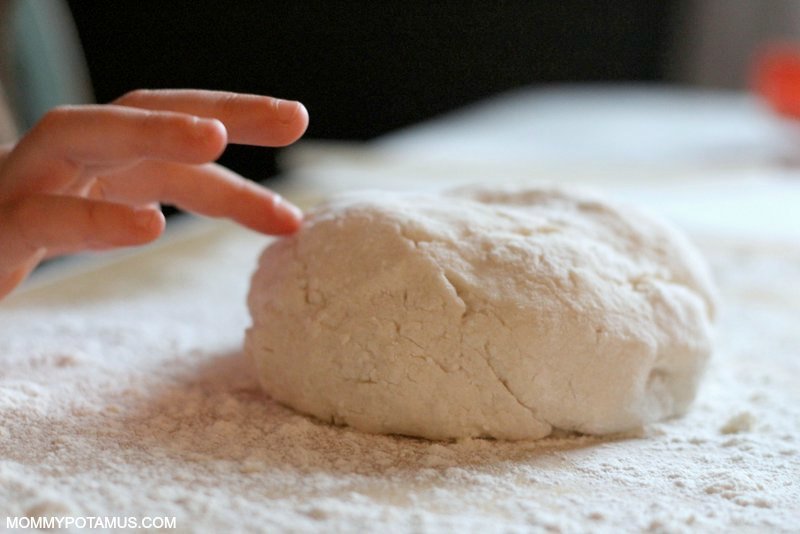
[[10, 280], [250, 119], [72, 138], [107, 135], [208, 189], [168, 137], [71, 141], [38, 223]]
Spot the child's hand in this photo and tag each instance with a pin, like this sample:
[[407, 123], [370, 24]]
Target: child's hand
[[89, 177]]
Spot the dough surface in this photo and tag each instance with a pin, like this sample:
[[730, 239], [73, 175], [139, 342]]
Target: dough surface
[[490, 312]]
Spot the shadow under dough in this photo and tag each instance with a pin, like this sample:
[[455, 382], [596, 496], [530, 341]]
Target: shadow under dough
[[216, 410]]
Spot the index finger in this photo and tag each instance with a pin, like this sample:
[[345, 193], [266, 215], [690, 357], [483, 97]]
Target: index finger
[[249, 119], [69, 138]]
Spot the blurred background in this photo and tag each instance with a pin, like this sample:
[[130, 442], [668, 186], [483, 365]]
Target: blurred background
[[367, 68]]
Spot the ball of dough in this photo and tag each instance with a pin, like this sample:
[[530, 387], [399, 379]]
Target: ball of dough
[[483, 312]]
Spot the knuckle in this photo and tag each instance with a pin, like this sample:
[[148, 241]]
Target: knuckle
[[132, 98], [22, 212], [22, 216], [93, 215], [151, 127], [148, 120], [55, 118], [100, 188], [228, 103], [233, 190]]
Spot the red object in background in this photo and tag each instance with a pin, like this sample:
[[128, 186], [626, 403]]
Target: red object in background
[[776, 77]]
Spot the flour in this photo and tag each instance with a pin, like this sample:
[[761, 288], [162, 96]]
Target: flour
[[125, 393], [741, 422], [482, 313]]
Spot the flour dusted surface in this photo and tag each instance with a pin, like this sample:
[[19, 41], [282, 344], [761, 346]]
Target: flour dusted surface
[[130, 396]]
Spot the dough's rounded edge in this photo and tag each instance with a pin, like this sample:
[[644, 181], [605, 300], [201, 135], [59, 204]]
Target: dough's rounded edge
[[370, 399]]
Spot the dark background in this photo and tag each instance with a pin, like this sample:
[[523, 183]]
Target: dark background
[[365, 68]]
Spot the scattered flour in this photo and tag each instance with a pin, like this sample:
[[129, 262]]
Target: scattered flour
[[741, 422], [125, 393]]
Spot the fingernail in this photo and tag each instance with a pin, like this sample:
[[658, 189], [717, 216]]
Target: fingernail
[[286, 110], [206, 127], [286, 210], [145, 219]]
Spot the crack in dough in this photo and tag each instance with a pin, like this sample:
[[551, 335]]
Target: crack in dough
[[494, 312]]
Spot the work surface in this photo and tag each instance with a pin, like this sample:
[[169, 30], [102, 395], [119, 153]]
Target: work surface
[[124, 392]]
